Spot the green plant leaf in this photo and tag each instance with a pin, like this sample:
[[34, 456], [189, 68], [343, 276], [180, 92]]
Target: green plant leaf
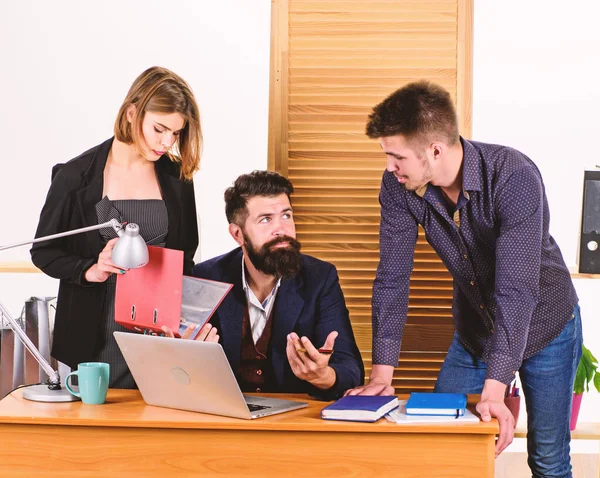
[[590, 370], [579, 384], [597, 381], [587, 370], [593, 359]]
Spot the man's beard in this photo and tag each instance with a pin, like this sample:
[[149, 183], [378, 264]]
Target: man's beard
[[281, 262], [425, 177]]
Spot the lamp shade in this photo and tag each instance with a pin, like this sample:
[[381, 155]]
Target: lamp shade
[[130, 251]]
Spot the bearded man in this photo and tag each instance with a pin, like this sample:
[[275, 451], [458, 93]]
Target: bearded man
[[284, 326]]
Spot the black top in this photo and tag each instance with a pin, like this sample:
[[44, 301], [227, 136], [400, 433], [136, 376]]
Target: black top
[[75, 190], [151, 217]]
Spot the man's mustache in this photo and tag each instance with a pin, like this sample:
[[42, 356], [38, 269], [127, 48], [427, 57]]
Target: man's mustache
[[280, 239]]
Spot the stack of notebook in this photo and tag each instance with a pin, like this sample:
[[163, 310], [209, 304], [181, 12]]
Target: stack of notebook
[[420, 408], [432, 408]]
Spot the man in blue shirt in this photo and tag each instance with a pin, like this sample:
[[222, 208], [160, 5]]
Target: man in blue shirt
[[484, 210]]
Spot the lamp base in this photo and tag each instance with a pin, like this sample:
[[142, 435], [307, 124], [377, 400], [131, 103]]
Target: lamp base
[[41, 393]]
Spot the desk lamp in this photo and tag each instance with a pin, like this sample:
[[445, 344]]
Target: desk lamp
[[130, 252]]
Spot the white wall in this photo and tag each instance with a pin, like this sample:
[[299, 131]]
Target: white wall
[[66, 67], [535, 88]]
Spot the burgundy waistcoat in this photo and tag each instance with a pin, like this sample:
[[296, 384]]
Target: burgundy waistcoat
[[255, 371]]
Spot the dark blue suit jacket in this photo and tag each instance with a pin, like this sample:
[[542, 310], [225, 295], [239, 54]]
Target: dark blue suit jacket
[[311, 304]]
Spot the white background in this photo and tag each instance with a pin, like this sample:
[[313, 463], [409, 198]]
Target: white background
[[535, 88], [66, 66]]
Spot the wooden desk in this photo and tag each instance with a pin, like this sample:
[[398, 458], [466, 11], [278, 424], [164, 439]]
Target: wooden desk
[[125, 437]]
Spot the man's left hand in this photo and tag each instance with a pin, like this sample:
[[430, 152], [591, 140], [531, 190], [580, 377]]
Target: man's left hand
[[492, 405], [311, 365]]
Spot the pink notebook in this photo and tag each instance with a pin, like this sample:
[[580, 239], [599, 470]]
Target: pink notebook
[[150, 297]]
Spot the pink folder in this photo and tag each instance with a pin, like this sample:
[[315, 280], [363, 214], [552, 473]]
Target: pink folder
[[150, 297]]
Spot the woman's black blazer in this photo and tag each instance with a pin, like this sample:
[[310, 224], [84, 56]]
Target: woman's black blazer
[[76, 188]]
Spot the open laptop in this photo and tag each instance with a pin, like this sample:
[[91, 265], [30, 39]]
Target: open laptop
[[192, 375]]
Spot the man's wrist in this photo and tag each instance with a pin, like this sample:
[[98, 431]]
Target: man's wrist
[[326, 381], [382, 374], [493, 390]]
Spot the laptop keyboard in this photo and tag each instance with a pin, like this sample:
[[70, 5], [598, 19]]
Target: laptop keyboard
[[254, 408]]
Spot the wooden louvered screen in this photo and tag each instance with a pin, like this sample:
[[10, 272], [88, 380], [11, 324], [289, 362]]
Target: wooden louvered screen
[[331, 62]]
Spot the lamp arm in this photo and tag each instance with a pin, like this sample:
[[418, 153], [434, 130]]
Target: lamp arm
[[53, 376], [116, 225]]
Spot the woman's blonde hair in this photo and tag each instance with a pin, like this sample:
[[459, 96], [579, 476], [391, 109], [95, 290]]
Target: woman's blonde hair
[[161, 91]]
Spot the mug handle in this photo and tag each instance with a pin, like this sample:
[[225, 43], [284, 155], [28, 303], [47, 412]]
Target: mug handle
[[71, 391]]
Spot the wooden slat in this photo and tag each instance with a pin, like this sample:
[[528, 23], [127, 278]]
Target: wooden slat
[[278, 88], [339, 156], [410, 357], [352, 293], [417, 275], [325, 28], [395, 41], [433, 287], [394, 75], [391, 6], [341, 58], [464, 60], [330, 197], [337, 174], [434, 338]]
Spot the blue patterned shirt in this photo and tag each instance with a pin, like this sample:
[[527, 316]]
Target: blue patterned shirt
[[512, 290]]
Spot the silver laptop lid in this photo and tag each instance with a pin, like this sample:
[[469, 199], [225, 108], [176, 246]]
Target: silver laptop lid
[[191, 375], [183, 374]]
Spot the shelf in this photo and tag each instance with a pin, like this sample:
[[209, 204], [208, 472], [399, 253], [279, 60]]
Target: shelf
[[579, 275], [18, 267]]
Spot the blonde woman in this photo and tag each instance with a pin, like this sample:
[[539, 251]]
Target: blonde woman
[[141, 175]]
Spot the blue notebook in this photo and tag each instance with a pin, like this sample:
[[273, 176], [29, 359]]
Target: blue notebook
[[421, 403], [360, 408]]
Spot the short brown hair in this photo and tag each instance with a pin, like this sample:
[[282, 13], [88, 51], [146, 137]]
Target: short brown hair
[[246, 186], [420, 111], [162, 91]]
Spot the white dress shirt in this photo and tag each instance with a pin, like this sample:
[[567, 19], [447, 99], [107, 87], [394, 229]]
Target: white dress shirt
[[259, 312]]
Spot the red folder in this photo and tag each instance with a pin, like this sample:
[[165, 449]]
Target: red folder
[[150, 297]]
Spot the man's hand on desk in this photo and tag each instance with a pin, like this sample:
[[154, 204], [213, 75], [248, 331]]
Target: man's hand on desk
[[380, 382], [208, 333], [492, 405]]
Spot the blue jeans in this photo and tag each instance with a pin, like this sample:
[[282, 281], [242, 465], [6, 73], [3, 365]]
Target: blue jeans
[[547, 382]]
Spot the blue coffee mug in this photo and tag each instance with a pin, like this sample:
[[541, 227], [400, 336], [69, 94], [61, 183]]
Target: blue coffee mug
[[93, 382]]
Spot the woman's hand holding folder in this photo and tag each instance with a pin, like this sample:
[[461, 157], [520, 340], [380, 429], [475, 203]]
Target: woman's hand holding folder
[[207, 333]]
